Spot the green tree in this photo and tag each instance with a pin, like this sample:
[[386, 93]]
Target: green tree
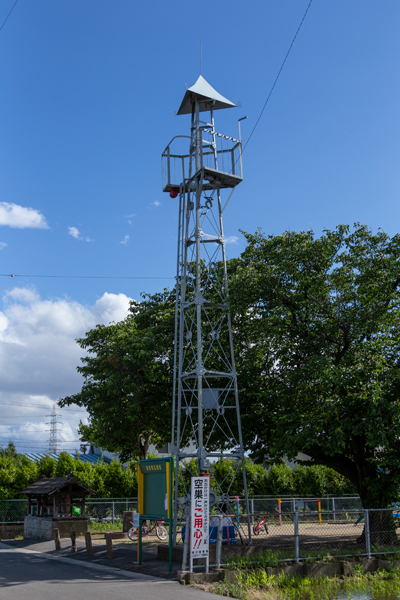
[[128, 379], [16, 472], [317, 326]]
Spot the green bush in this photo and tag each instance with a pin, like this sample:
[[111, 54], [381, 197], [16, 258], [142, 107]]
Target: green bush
[[116, 481]]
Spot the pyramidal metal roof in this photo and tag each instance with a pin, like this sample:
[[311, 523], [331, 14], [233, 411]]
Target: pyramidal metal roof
[[206, 95]]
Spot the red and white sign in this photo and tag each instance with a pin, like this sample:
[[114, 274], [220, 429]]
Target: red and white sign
[[199, 521]]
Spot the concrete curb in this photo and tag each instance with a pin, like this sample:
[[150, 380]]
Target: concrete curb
[[96, 567]]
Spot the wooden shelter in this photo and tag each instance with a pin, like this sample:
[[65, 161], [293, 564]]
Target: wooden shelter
[[55, 496]]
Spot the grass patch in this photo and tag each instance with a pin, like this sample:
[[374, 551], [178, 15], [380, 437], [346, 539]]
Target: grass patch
[[257, 585], [100, 527], [275, 557]]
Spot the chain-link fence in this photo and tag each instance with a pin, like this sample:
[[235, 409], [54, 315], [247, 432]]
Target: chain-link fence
[[13, 511], [99, 509], [311, 535], [329, 507], [104, 509]]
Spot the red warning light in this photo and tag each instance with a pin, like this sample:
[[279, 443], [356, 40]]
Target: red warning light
[[174, 192]]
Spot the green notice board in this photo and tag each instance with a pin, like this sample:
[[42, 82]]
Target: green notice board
[[155, 488], [155, 496]]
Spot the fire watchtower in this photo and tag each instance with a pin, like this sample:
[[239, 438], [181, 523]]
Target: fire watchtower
[[218, 156], [200, 168]]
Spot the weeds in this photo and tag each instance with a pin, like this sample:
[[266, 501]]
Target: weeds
[[98, 526], [258, 585]]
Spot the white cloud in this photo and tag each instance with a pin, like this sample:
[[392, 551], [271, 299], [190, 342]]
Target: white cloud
[[129, 217], [156, 203], [232, 239], [111, 307], [2, 245], [3, 322], [39, 356], [77, 234], [21, 217], [125, 240], [74, 232], [22, 294]]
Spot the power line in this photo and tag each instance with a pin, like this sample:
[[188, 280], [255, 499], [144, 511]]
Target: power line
[[277, 77], [24, 430], [83, 276], [6, 19], [33, 441], [39, 406], [29, 418]]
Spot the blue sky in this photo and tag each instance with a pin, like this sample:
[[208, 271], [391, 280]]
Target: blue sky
[[89, 92]]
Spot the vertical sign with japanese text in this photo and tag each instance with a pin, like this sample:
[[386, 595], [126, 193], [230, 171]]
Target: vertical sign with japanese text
[[199, 518]]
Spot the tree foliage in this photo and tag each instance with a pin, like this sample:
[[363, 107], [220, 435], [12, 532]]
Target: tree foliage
[[17, 471], [116, 481], [278, 480], [128, 379], [317, 326]]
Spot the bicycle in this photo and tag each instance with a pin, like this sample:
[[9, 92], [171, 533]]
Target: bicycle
[[161, 531], [262, 524]]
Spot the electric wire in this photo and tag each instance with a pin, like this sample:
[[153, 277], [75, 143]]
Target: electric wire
[[277, 77], [83, 276], [40, 406], [272, 88], [29, 417], [6, 19]]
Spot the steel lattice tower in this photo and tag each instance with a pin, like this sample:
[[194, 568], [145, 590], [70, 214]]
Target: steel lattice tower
[[53, 441], [206, 416]]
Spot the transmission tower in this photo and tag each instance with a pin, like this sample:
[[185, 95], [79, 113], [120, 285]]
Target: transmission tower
[[53, 441], [206, 416]]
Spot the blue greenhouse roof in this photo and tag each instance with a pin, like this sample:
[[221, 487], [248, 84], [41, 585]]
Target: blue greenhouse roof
[[90, 458]]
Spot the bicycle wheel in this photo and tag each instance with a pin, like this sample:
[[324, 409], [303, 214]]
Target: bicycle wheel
[[266, 528], [161, 533], [256, 530], [133, 534]]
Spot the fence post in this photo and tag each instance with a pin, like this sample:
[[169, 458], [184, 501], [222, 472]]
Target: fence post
[[72, 535], [113, 513], [89, 545], [219, 541], [293, 505], [57, 539], [296, 537], [333, 509], [185, 544], [109, 545], [252, 510], [367, 533]]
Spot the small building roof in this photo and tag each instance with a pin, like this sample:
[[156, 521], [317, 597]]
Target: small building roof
[[207, 96], [52, 485]]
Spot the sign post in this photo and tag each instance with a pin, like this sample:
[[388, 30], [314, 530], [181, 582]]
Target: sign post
[[199, 520], [155, 500]]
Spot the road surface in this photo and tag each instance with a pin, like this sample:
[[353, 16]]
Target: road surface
[[26, 575]]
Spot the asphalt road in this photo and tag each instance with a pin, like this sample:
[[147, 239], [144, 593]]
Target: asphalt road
[[26, 575]]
